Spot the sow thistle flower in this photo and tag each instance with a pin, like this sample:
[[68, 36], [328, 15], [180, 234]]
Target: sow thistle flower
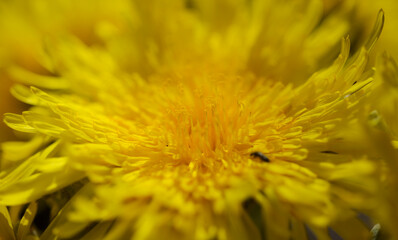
[[179, 123]]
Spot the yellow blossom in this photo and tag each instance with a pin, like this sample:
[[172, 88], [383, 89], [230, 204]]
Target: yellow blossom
[[179, 122]]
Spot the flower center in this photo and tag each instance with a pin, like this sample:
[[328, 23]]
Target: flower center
[[207, 124]]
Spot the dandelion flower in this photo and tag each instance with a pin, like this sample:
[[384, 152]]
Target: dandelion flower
[[181, 124]]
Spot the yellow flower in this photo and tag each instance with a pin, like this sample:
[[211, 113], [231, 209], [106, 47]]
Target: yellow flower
[[179, 123]]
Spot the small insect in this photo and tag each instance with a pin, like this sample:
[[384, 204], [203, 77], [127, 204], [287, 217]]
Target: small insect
[[260, 155]]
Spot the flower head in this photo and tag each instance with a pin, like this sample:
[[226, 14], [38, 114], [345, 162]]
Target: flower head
[[180, 124]]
